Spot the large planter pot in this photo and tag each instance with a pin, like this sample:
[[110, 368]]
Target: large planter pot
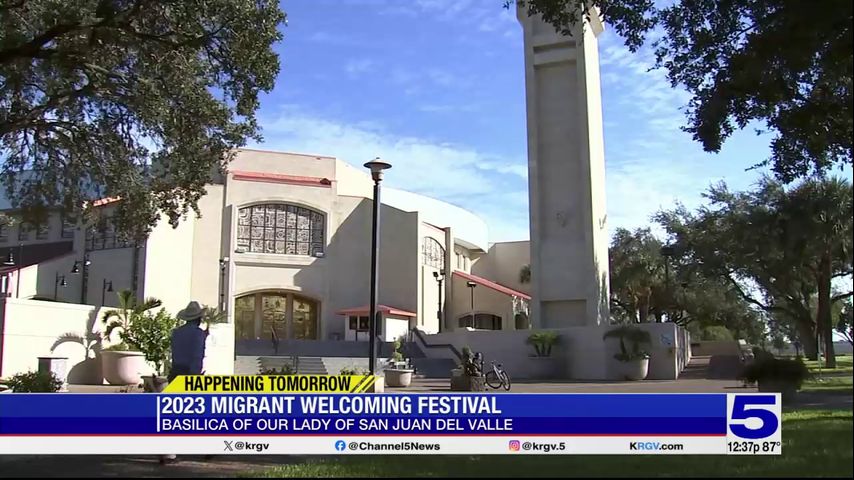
[[154, 383], [398, 377], [634, 369], [464, 383], [787, 389], [122, 368]]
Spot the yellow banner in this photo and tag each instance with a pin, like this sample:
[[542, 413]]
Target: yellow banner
[[271, 384]]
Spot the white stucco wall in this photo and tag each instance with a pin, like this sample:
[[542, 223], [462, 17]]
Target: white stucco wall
[[168, 262], [467, 226], [503, 262], [30, 328]]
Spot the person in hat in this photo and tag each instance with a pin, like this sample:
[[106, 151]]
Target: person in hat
[[188, 350], [188, 342]]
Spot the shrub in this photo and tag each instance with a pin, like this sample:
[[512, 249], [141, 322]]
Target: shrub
[[776, 370], [397, 356], [353, 371], [151, 335], [285, 370], [543, 342], [34, 382], [635, 336]]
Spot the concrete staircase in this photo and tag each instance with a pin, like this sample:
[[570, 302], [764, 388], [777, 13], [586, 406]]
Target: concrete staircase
[[303, 366]]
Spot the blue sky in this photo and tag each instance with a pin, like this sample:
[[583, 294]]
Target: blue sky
[[436, 87]]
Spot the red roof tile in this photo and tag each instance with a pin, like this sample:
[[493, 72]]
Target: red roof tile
[[490, 284]]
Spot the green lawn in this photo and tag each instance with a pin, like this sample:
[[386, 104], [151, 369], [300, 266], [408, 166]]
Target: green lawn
[[815, 443], [844, 364], [827, 383]]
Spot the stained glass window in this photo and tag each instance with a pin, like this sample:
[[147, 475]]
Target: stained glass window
[[433, 254], [280, 228]]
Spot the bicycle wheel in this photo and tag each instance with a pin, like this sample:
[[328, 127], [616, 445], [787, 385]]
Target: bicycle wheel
[[506, 381], [492, 380]]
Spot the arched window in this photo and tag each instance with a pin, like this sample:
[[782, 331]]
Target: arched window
[[433, 254], [280, 228]]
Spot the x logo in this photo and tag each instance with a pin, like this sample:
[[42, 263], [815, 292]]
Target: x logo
[[228, 446]]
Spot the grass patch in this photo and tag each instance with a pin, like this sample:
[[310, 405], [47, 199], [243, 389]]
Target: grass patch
[[816, 443], [841, 383], [844, 364]]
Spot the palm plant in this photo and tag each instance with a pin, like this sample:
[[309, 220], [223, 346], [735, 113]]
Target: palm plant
[[543, 342], [129, 310], [635, 336], [91, 342]]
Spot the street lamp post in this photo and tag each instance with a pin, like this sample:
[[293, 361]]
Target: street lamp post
[[376, 166], [439, 276], [75, 269], [472, 286], [667, 251], [223, 264], [105, 287], [59, 281]]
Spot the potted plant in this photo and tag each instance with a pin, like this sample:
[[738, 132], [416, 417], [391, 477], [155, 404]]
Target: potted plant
[[634, 362], [151, 335], [777, 375], [122, 363], [399, 375], [470, 377]]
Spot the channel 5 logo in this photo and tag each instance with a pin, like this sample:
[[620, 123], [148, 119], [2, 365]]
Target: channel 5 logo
[[754, 416], [515, 446]]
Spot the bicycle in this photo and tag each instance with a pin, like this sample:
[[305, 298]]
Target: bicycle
[[497, 377]]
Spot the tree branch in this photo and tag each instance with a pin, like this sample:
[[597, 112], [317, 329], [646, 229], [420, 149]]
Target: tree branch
[[839, 297]]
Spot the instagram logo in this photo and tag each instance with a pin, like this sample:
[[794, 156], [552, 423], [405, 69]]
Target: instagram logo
[[515, 446]]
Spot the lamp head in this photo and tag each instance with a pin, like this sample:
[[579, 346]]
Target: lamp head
[[75, 269], [376, 166], [10, 260], [62, 282], [471, 284]]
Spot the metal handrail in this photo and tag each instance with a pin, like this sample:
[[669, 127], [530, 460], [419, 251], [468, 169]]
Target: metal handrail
[[437, 345]]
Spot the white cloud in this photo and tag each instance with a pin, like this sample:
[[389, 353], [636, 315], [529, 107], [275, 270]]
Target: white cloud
[[486, 184], [356, 67]]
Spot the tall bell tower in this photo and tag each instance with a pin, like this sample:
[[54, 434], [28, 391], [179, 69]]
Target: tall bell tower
[[566, 174]]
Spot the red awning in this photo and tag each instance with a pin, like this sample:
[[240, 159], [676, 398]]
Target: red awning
[[490, 284], [385, 309]]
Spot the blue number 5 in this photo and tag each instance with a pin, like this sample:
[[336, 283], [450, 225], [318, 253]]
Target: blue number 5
[[740, 412]]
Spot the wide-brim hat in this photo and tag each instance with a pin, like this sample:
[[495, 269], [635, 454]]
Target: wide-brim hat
[[194, 311]]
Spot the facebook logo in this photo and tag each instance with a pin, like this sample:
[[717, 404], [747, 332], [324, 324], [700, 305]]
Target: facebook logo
[[340, 445]]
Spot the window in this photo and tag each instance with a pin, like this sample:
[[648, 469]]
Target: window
[[41, 231], [359, 323], [281, 229], [102, 236], [277, 314], [433, 253], [482, 321], [4, 234], [68, 227], [23, 232]]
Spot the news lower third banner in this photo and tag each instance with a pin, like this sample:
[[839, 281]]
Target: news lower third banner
[[390, 423]]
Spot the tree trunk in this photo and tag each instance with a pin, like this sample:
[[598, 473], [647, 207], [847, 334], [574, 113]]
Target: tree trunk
[[806, 335], [824, 317]]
